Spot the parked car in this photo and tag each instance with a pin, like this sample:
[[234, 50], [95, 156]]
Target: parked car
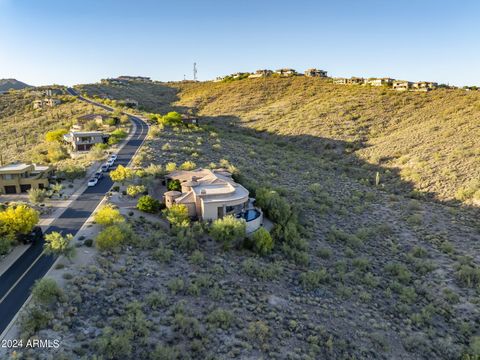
[[104, 167], [98, 175], [113, 156], [92, 182], [35, 235], [110, 162]]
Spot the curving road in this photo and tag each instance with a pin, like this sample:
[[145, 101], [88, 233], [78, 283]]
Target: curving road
[[16, 282]]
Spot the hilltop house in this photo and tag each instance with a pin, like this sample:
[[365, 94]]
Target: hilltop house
[[340, 81], [261, 73], [40, 104], [82, 121], [401, 85], [379, 82], [315, 73], [424, 86], [286, 72], [351, 81], [85, 140], [19, 178], [213, 194]]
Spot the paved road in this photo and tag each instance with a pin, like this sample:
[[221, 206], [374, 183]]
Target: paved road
[[16, 282]]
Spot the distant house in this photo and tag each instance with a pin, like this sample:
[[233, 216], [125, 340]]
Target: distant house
[[379, 82], [83, 121], [131, 103], [40, 104], [134, 78], [19, 178], [401, 85], [286, 72], [85, 140], [213, 194], [424, 86], [189, 119], [340, 81], [355, 81], [315, 73], [261, 73]]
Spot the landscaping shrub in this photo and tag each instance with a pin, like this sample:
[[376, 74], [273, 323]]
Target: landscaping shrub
[[174, 185], [134, 190], [228, 230], [108, 215], [46, 291], [37, 196], [110, 238], [148, 204], [188, 165], [177, 215], [262, 241], [311, 280]]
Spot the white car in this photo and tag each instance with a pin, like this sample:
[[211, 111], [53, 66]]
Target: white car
[[113, 157], [92, 182], [110, 162]]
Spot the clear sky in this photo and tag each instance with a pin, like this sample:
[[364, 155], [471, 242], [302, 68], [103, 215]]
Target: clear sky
[[70, 42]]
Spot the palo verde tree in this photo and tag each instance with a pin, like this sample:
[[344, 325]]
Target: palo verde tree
[[121, 174], [56, 243], [108, 215]]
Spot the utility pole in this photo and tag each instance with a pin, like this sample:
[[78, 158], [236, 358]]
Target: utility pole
[[194, 71]]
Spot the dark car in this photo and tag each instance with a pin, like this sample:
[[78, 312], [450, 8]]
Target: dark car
[[98, 175], [35, 235], [104, 168]]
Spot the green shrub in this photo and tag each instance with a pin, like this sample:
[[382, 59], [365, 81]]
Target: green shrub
[[164, 352], [228, 230], [262, 241], [177, 215], [174, 185], [37, 196], [108, 215], [156, 300], [114, 344], [163, 254], [188, 165], [148, 204], [35, 318], [220, 318], [134, 190], [176, 285], [173, 118], [110, 238], [311, 280], [46, 291]]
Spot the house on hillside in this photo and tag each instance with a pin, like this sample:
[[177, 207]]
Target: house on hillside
[[340, 81], [83, 121], [379, 82], [19, 177], [134, 78], [355, 81], [189, 119], [213, 194], [424, 86], [402, 85], [50, 102], [85, 140], [315, 73], [261, 73], [286, 72]]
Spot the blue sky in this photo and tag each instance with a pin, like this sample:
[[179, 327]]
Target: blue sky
[[69, 42]]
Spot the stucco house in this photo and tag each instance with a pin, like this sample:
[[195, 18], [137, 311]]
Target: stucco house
[[401, 85], [213, 194], [379, 82], [315, 73], [19, 177], [286, 72], [85, 140], [39, 104], [261, 73], [424, 86]]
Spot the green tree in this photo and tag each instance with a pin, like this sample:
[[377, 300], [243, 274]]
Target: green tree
[[108, 215], [262, 241], [171, 166], [46, 291], [228, 230], [121, 173], [17, 219], [134, 190], [110, 238], [55, 135], [148, 204], [177, 215], [57, 244]]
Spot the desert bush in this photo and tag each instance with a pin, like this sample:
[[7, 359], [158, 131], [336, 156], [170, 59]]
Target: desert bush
[[468, 274], [176, 285], [113, 344], [165, 352], [262, 241], [134, 190], [37, 196], [400, 272], [311, 280], [172, 118], [156, 300], [56, 243], [258, 331], [46, 291], [108, 215], [174, 185], [35, 318], [163, 254], [220, 318], [110, 239], [177, 215], [171, 166], [71, 172], [263, 271], [55, 135], [228, 230], [188, 165], [148, 204]]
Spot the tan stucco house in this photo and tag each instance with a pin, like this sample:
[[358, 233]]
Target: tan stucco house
[[84, 140], [213, 194], [424, 86], [379, 82], [315, 73], [19, 178], [402, 85]]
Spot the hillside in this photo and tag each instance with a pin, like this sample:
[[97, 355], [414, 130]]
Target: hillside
[[12, 84], [430, 139]]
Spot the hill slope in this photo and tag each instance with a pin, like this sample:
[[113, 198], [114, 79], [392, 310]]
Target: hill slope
[[429, 139], [9, 84]]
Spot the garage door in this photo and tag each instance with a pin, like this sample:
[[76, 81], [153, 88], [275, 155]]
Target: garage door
[[25, 188], [10, 189]]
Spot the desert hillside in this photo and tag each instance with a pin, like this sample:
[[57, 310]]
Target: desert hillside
[[428, 140]]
